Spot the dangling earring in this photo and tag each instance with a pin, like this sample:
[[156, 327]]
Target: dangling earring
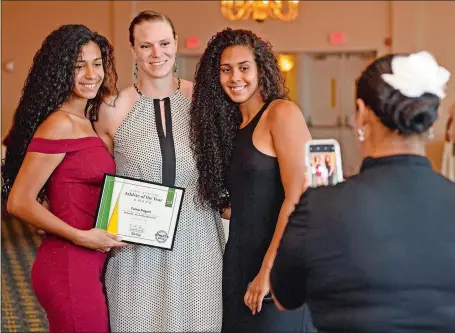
[[431, 133], [361, 134], [175, 65], [136, 74]]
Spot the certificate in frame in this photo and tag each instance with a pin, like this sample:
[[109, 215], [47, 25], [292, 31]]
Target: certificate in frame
[[139, 211]]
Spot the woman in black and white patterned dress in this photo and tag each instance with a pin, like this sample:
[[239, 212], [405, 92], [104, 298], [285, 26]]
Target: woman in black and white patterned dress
[[149, 289]]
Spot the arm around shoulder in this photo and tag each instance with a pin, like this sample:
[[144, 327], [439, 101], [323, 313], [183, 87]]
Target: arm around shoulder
[[105, 115]]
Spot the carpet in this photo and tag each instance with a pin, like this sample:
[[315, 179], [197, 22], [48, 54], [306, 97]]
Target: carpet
[[21, 312]]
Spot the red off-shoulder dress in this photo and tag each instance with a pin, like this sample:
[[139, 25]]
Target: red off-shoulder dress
[[66, 278]]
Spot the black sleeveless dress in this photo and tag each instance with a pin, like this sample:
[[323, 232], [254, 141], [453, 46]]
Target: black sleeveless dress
[[256, 194]]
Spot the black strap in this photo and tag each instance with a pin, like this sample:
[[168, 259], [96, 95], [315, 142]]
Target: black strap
[[252, 124], [166, 141], [167, 146], [264, 107]]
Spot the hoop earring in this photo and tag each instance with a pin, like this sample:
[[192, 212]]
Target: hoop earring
[[361, 134], [175, 65], [136, 71], [431, 133]]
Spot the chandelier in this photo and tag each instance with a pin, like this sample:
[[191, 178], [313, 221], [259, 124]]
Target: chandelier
[[286, 10]]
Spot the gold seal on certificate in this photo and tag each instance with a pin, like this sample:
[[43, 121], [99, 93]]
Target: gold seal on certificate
[[140, 212]]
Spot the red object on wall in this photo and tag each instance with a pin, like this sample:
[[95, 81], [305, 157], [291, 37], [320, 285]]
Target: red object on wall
[[388, 41], [262, 36], [192, 42], [336, 38]]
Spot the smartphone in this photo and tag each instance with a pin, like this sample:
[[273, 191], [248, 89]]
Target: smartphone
[[323, 162]]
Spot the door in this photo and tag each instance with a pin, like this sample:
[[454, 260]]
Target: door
[[186, 66], [322, 99], [351, 67], [329, 100]]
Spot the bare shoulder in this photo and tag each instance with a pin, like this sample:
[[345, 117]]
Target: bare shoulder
[[186, 87], [284, 111], [113, 110], [57, 126], [113, 105]]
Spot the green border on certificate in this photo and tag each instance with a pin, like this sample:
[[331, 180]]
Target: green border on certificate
[[139, 211]]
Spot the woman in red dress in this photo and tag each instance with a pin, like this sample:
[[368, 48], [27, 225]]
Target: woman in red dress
[[54, 155]]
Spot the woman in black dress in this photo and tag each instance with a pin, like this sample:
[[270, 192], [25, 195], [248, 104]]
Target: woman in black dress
[[249, 142], [376, 252]]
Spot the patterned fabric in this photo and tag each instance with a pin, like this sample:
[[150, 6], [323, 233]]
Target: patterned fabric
[[154, 290]]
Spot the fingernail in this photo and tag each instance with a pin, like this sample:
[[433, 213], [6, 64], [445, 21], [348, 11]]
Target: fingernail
[[119, 238]]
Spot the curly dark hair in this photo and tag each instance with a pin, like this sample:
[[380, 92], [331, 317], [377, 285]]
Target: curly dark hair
[[50, 82], [215, 118]]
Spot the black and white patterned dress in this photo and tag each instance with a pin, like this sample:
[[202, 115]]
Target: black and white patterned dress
[[154, 290]]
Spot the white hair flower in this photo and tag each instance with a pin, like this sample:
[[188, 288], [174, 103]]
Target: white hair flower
[[417, 74]]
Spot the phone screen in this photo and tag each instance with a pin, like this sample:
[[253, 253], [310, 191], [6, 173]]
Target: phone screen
[[323, 165]]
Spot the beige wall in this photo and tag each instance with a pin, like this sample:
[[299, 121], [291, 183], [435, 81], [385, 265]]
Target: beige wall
[[427, 25], [26, 23], [308, 32], [418, 25], [413, 25]]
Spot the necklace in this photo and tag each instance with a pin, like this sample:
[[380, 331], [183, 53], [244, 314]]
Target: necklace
[[83, 117], [162, 99]]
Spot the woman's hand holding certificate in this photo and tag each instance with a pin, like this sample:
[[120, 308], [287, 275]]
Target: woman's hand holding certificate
[[98, 239], [138, 211]]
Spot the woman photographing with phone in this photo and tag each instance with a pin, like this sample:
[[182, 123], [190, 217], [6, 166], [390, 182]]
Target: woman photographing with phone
[[376, 252]]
